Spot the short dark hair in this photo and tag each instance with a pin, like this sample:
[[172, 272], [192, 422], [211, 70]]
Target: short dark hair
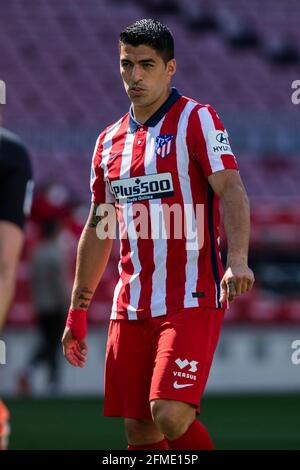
[[150, 33]]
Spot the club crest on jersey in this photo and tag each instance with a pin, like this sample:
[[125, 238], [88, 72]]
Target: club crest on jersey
[[163, 145]]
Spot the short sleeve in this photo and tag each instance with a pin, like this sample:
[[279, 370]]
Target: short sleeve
[[100, 189], [209, 142]]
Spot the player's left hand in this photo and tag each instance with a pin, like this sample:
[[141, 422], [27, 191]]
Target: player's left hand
[[74, 351], [237, 280]]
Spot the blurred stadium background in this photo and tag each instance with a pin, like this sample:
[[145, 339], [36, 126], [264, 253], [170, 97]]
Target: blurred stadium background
[[59, 61]]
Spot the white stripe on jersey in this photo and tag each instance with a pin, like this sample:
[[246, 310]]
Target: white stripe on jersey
[[208, 125], [191, 267], [159, 275], [217, 300], [109, 197], [107, 144], [169, 146]]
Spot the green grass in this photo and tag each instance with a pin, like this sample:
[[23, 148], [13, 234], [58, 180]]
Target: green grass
[[234, 422]]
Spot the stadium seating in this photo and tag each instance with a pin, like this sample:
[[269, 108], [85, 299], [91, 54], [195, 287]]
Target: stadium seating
[[59, 59], [60, 64]]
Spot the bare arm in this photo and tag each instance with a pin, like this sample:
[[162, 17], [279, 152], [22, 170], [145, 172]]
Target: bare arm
[[92, 257], [11, 243], [238, 277]]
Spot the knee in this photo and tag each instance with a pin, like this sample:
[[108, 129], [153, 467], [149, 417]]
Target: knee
[[172, 418], [139, 432]]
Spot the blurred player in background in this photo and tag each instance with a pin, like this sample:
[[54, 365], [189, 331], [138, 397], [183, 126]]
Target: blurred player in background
[[15, 202], [50, 296], [170, 300]]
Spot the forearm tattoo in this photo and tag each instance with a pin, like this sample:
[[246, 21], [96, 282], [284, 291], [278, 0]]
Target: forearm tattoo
[[94, 219], [85, 296]]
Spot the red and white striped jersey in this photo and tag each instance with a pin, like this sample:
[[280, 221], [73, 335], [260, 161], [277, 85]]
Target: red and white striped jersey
[[161, 167]]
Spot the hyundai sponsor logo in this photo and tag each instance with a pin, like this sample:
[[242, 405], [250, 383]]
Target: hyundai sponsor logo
[[221, 137], [218, 142]]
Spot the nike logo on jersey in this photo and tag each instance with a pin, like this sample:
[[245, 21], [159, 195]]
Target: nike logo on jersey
[[176, 385]]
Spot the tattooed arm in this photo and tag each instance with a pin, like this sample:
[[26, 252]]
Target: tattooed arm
[[92, 257]]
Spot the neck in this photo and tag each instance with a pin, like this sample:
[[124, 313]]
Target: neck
[[143, 113]]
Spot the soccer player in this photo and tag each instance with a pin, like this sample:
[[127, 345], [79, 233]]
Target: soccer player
[[15, 202], [167, 152]]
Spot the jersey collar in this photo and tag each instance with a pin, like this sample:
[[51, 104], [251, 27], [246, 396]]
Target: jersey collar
[[158, 115]]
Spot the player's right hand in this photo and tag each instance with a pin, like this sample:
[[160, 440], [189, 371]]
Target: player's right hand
[[74, 351]]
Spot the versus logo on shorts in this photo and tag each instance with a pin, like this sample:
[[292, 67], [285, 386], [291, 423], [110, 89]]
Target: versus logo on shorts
[[156, 186], [183, 364], [219, 142]]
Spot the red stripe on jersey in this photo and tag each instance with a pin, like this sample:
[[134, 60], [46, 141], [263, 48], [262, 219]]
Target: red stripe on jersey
[[199, 190], [229, 162], [216, 215], [175, 265], [145, 246]]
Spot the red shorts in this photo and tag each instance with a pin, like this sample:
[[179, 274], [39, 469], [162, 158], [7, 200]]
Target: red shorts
[[164, 357]]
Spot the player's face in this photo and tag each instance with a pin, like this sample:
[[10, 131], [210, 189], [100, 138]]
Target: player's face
[[145, 75]]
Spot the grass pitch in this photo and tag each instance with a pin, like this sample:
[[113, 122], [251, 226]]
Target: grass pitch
[[234, 422]]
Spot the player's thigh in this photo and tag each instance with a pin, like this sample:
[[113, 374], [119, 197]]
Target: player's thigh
[[128, 369], [184, 351]]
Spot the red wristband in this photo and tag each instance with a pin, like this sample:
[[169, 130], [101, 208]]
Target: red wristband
[[76, 321]]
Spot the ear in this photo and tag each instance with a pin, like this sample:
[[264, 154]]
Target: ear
[[171, 67]]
